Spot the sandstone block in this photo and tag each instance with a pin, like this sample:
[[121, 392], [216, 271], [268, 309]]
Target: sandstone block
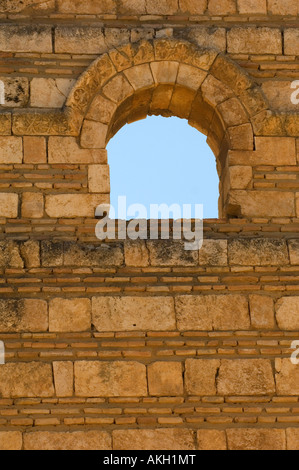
[[94, 135], [252, 7], [190, 77], [264, 203], [35, 150], [99, 179], [140, 76], [74, 205], [10, 255], [232, 112], [287, 313], [79, 40], [133, 313], [110, 379], [212, 312], [32, 205], [118, 89], [171, 253], [225, 7], [26, 380], [258, 252], [200, 376], [16, 92], [291, 41], [164, 7], [63, 378], [69, 314], [135, 7], [287, 377], [275, 151], [9, 205], [25, 38], [153, 439], [209, 37], [294, 251], [288, 7], [240, 176], [101, 110], [165, 379], [30, 252], [213, 253], [11, 150], [165, 71], [261, 312], [136, 253], [245, 377], [51, 253], [256, 439], [66, 150], [211, 439], [252, 40], [78, 440], [49, 92], [11, 440], [278, 94], [197, 7], [29, 315], [241, 137], [93, 255], [292, 438]]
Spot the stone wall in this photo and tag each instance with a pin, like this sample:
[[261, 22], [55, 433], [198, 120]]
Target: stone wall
[[141, 344]]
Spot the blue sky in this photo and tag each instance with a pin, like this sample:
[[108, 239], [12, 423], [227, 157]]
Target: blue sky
[[163, 160]]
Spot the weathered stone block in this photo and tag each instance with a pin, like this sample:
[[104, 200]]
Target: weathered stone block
[[258, 252], [292, 438], [245, 377], [99, 179], [25, 38], [171, 253], [287, 313], [9, 205], [211, 439], [10, 255], [30, 379], [74, 205], [63, 378], [11, 440], [94, 135], [262, 312], [35, 150], [101, 110], [225, 7], [278, 93], [240, 176], [212, 312], [264, 203], [256, 439], [153, 439], [51, 253], [165, 71], [252, 7], [291, 41], [11, 150], [136, 253], [79, 40], [23, 315], [16, 92], [30, 252], [32, 205], [200, 376], [252, 40], [213, 253], [294, 251], [287, 377], [140, 76], [93, 255], [133, 313], [49, 92], [110, 379], [66, 150], [69, 314], [164, 7], [165, 379], [275, 151], [78, 440]]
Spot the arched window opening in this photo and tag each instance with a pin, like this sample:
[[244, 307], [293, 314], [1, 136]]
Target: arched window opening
[[162, 161]]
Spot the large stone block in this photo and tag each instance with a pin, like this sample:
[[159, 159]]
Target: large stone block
[[213, 253], [292, 438], [27, 380], [165, 379], [74, 205], [89, 7], [78, 440], [25, 38], [93, 256], [136, 253], [287, 313], [212, 312], [153, 439], [49, 92], [225, 7], [32, 205], [256, 439], [200, 376], [171, 253], [164, 7], [99, 179], [287, 377], [197, 7], [69, 315], [110, 379], [79, 40], [11, 150], [10, 256], [252, 7], [63, 378], [291, 41], [133, 313], [51, 254], [66, 150], [30, 252], [30, 315], [274, 151], [258, 252], [11, 440], [16, 92], [285, 8], [209, 37], [245, 377], [263, 203], [35, 150], [211, 439], [262, 312], [294, 251], [252, 40]]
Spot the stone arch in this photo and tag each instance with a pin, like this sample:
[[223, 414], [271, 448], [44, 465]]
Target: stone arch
[[170, 78]]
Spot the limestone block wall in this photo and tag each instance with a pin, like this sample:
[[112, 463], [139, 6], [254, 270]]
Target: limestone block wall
[[141, 344]]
